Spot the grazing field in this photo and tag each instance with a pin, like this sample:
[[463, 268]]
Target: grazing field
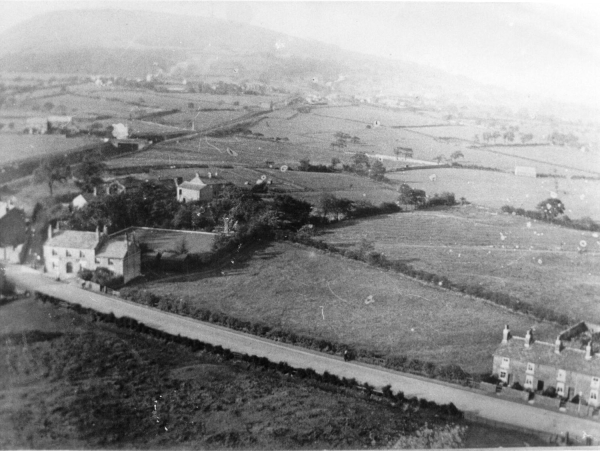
[[538, 263], [494, 189], [14, 147], [77, 104], [307, 292]]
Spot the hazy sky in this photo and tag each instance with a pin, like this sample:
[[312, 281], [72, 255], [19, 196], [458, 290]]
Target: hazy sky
[[551, 49]]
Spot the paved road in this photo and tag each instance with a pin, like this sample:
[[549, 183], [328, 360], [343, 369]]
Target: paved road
[[486, 406]]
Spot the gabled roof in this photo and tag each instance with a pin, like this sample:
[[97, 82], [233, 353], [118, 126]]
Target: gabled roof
[[73, 239], [542, 353], [192, 186]]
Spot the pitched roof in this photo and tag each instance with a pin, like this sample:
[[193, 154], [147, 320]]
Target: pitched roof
[[115, 246], [542, 353], [192, 186], [73, 239]]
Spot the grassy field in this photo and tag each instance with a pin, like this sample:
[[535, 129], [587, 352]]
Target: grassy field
[[538, 264], [310, 293], [167, 240], [70, 383], [494, 189], [14, 147]]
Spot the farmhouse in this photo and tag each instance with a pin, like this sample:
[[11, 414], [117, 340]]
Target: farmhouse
[[537, 365], [196, 189], [68, 251]]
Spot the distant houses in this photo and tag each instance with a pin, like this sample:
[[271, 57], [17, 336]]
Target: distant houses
[[197, 189], [66, 252], [43, 125]]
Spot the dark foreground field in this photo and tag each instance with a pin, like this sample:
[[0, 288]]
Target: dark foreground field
[[68, 382]]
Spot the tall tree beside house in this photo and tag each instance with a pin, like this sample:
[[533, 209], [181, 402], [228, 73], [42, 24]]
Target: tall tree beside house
[[88, 174], [52, 170]]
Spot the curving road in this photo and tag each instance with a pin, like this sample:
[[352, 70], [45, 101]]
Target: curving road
[[487, 406]]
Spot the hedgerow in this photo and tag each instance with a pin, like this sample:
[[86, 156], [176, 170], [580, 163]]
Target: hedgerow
[[447, 411]]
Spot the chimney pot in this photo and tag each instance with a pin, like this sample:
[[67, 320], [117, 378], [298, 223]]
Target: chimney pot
[[528, 339], [588, 351], [98, 233], [49, 231], [557, 345], [506, 334]]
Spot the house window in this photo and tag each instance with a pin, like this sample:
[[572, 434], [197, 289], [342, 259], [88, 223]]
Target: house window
[[68, 253], [180, 192], [560, 388], [81, 254], [110, 262], [594, 397], [54, 252], [530, 368], [505, 362], [97, 261], [595, 382], [529, 382], [561, 376], [504, 376], [53, 265]]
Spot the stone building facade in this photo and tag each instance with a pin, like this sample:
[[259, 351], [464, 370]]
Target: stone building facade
[[538, 365]]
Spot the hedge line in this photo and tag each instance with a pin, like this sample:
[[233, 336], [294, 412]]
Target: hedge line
[[448, 411], [451, 373], [379, 260], [577, 224]]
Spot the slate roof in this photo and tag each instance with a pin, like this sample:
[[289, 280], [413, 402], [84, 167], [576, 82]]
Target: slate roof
[[114, 247], [73, 239], [542, 353], [192, 186]]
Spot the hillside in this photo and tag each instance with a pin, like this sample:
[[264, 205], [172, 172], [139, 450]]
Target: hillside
[[133, 44]]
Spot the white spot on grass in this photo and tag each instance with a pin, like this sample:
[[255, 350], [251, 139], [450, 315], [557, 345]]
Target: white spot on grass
[[529, 224], [540, 261]]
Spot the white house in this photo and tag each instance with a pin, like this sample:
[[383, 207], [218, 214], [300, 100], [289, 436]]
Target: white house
[[68, 251], [196, 189]]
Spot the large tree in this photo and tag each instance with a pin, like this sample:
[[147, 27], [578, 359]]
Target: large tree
[[551, 208], [52, 170], [377, 171], [88, 174]]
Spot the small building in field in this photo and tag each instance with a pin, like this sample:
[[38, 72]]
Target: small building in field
[[59, 122], [197, 189], [36, 125], [525, 171], [68, 251], [538, 366]]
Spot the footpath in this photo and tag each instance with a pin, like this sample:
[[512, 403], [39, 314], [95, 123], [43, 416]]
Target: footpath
[[472, 402]]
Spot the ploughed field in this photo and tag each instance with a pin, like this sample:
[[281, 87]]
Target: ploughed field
[[71, 383], [536, 262], [311, 293]]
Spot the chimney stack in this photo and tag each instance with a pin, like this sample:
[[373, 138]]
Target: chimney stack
[[506, 334], [49, 231], [105, 230], [98, 233], [588, 351], [528, 339], [557, 345], [176, 181]]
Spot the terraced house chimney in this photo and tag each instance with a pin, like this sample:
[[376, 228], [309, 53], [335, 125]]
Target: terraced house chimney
[[557, 345], [528, 338], [506, 334], [588, 351], [49, 231], [97, 233]]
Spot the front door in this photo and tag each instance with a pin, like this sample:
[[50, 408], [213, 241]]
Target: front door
[[540, 386]]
